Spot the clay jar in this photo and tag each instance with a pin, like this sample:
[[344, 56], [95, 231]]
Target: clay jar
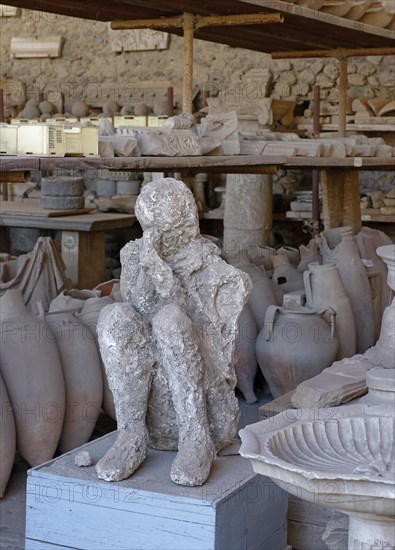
[[285, 275], [89, 316], [292, 254], [32, 372], [295, 345], [72, 300], [82, 375], [368, 240], [308, 254], [324, 288], [261, 295], [355, 280], [7, 438], [246, 364], [250, 323]]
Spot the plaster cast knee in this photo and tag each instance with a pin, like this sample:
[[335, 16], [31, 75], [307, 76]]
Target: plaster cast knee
[[171, 319]]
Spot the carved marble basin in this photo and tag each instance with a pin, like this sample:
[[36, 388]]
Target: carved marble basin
[[340, 457]]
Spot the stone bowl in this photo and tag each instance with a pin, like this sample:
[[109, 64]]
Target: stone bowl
[[339, 457]]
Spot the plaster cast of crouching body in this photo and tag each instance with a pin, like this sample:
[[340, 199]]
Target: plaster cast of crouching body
[[168, 349]]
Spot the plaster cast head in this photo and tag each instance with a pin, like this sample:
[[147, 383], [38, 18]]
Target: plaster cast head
[[168, 205]]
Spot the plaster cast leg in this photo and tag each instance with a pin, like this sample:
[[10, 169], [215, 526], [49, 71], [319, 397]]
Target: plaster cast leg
[[126, 351], [223, 413], [177, 343]]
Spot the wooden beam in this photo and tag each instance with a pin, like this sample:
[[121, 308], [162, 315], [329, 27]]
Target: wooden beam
[[201, 21], [160, 23], [343, 66], [187, 92], [339, 53]]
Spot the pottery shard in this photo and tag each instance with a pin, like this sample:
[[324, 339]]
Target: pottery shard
[[62, 186], [62, 203]]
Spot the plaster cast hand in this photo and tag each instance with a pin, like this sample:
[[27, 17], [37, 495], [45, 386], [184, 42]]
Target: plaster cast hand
[[155, 267]]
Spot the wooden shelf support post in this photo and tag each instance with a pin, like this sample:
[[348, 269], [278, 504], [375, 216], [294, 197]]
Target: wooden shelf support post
[[343, 81], [189, 29], [341, 200]]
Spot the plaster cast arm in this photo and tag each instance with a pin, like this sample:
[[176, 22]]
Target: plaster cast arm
[[160, 273]]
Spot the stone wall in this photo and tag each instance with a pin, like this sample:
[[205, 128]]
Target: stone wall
[[88, 61]]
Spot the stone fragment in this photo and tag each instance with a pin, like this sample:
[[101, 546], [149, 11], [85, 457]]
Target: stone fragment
[[61, 186], [79, 108], [332, 71], [283, 65], [123, 146], [324, 81], [307, 76], [83, 459], [356, 80], [62, 203], [168, 143], [317, 67]]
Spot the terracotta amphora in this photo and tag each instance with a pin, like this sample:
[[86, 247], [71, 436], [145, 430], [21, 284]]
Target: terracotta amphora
[[72, 300], [285, 275], [295, 345], [324, 288], [308, 253], [261, 295], [246, 365], [89, 316], [292, 254], [368, 240], [32, 372], [7, 438], [345, 255], [83, 378]]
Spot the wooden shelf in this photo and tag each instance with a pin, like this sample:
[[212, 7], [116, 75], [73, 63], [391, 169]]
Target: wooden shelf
[[350, 127], [245, 164]]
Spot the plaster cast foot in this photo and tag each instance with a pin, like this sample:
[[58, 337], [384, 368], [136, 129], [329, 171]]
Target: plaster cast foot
[[124, 457], [193, 462]]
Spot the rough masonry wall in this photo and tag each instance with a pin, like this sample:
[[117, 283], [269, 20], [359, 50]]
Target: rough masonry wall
[[88, 61]]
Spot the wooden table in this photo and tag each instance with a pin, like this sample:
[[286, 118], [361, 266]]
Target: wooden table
[[82, 242]]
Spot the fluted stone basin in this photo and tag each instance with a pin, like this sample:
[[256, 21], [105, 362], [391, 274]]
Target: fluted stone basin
[[339, 457]]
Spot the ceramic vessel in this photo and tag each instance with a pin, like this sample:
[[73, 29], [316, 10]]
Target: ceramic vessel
[[324, 288], [262, 295], [89, 316], [285, 275], [295, 345], [83, 378], [7, 438], [246, 365], [353, 274], [387, 253], [292, 254], [261, 255], [368, 240], [32, 372], [308, 254], [72, 300]]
